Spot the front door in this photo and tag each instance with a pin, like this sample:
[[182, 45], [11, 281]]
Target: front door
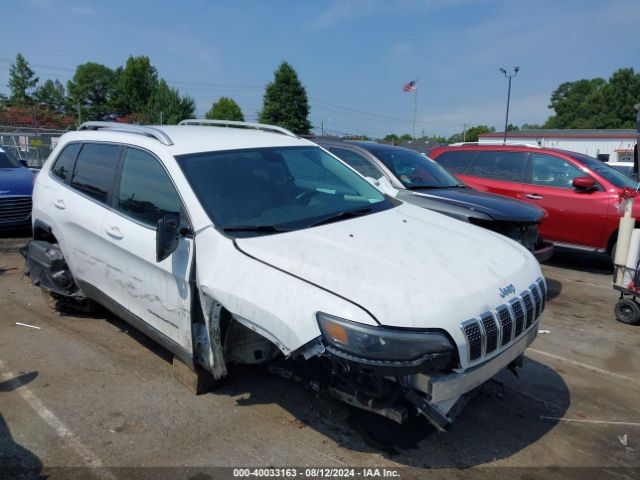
[[159, 293], [575, 217]]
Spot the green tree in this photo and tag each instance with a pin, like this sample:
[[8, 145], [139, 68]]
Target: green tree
[[22, 80], [134, 86], [166, 106], [578, 105], [92, 88], [52, 95], [285, 101], [531, 126], [225, 109], [619, 95], [392, 137], [406, 137]]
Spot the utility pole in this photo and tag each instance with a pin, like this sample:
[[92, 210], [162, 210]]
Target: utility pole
[[161, 118], [415, 107], [464, 132], [79, 115], [506, 119]]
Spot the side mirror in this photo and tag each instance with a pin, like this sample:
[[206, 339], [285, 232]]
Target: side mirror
[[167, 235], [585, 184]]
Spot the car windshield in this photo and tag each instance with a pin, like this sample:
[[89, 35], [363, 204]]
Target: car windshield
[[414, 170], [7, 161], [619, 179], [269, 190]]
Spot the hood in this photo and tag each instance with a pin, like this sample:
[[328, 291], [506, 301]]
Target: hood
[[16, 181], [498, 207], [407, 266]]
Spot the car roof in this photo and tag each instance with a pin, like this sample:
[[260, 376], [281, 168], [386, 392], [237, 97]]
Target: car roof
[[516, 147], [369, 146], [187, 139]]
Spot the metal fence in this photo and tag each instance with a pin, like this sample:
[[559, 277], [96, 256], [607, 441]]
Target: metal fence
[[31, 145]]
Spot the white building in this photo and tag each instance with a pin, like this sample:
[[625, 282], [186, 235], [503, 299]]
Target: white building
[[606, 145]]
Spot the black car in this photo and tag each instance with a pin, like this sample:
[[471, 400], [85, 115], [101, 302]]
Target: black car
[[422, 182]]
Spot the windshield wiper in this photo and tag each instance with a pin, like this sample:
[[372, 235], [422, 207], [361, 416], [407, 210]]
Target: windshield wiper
[[255, 228], [358, 212]]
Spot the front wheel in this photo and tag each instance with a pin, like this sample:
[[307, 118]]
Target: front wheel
[[627, 311]]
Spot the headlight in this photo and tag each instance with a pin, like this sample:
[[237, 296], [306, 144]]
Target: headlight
[[378, 343]]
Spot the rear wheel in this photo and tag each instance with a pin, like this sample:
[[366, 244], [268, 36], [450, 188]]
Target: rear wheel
[[627, 311]]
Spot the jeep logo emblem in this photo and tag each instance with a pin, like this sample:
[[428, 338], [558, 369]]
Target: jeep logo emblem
[[508, 290]]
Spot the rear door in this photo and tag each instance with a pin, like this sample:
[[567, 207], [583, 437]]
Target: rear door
[[458, 163], [157, 292], [80, 212], [501, 172], [575, 217]]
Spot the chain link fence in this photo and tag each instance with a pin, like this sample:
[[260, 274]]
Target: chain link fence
[[29, 145]]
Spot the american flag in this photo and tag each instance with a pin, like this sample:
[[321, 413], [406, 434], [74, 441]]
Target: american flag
[[409, 87]]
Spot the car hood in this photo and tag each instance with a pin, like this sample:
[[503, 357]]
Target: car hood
[[16, 181], [407, 266], [497, 207]]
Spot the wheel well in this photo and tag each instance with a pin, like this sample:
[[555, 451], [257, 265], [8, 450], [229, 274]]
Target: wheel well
[[614, 238], [42, 231]]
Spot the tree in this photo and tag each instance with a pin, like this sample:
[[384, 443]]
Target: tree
[[392, 137], [474, 132], [21, 81], [134, 86], [92, 88], [406, 137], [52, 95], [531, 126], [578, 105], [166, 106], [285, 101], [619, 96], [225, 109]]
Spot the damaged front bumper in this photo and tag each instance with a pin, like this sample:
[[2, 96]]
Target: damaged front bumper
[[438, 397]]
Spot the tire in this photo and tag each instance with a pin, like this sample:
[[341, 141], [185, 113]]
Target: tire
[[627, 311]]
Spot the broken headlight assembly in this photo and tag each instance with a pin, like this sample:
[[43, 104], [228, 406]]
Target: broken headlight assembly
[[385, 347]]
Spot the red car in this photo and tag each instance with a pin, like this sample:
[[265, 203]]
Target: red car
[[578, 192]]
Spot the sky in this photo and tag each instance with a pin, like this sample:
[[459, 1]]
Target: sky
[[352, 56]]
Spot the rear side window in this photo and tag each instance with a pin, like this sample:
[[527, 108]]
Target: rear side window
[[64, 164], [95, 169], [359, 163], [456, 161], [498, 165], [146, 192]]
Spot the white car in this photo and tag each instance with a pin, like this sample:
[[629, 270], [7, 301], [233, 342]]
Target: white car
[[251, 245]]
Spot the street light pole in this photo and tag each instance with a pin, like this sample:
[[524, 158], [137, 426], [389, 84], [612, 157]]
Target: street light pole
[[506, 119]]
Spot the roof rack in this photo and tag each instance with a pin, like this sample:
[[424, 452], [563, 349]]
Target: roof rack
[[498, 143], [233, 123], [130, 128]]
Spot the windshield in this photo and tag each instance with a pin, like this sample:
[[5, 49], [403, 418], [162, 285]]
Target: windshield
[[269, 190], [415, 171], [7, 161], [619, 179]]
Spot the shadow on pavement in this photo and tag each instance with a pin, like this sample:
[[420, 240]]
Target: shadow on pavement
[[582, 261], [504, 418], [16, 462]]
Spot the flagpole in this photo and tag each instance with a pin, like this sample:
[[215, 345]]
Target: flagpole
[[415, 107]]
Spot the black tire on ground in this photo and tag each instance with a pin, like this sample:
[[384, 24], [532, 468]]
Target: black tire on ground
[[627, 311]]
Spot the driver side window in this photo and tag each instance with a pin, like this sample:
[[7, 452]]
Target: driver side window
[[359, 163], [550, 171]]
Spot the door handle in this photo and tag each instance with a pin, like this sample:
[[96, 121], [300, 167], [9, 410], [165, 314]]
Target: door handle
[[59, 203], [533, 196], [114, 232]]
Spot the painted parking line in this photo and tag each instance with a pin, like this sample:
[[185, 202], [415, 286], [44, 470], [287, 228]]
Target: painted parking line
[[585, 366], [85, 453]]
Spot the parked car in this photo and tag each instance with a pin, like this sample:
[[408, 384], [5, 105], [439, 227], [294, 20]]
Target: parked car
[[16, 185], [624, 167], [251, 245], [422, 182], [580, 193]]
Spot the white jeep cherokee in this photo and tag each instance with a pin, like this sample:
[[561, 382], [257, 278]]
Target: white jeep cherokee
[[251, 245]]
